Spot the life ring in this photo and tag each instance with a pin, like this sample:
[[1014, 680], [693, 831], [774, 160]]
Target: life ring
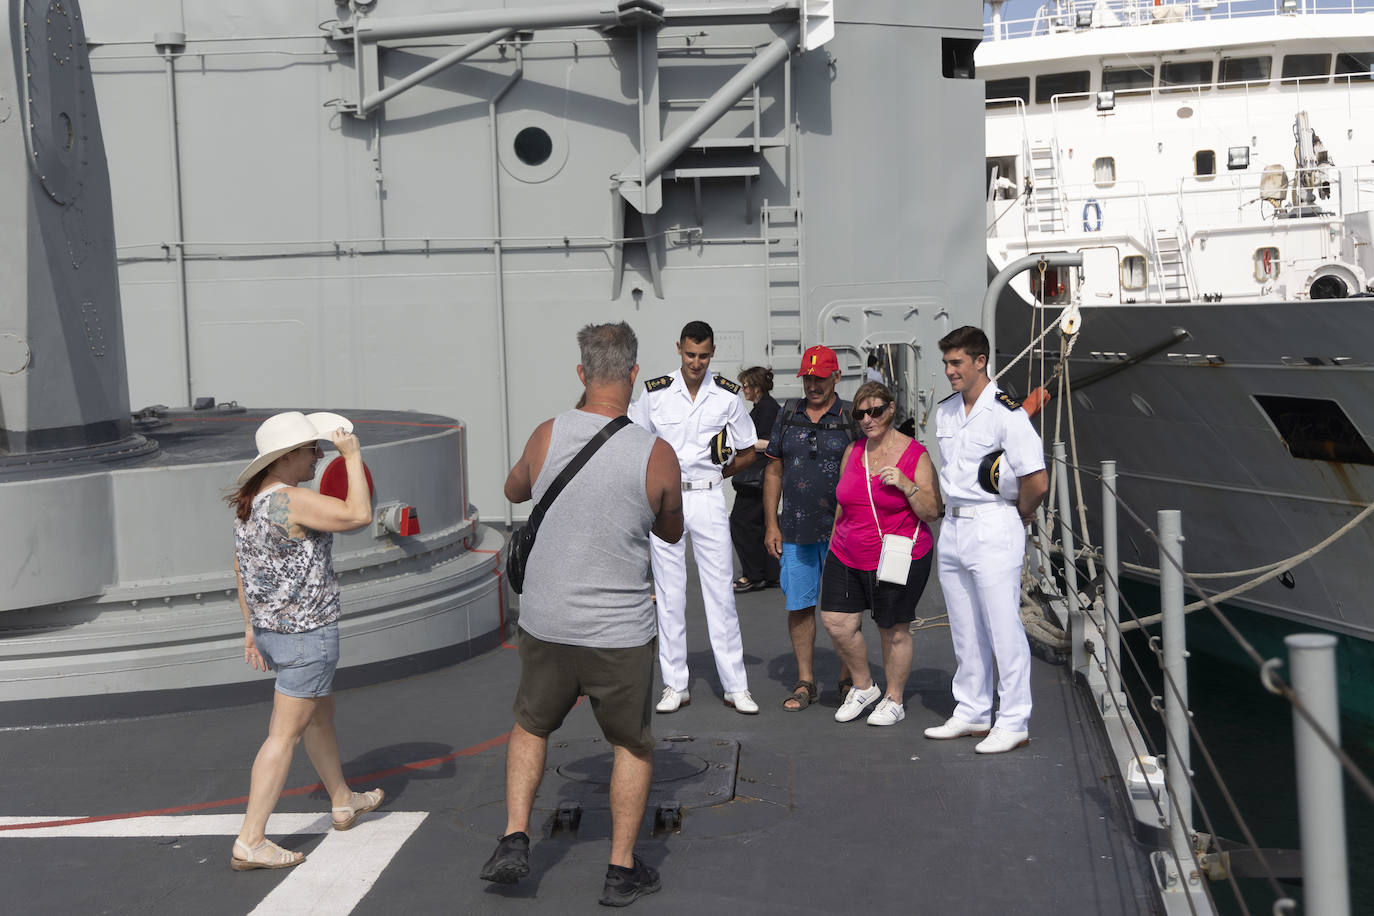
[[1096, 209]]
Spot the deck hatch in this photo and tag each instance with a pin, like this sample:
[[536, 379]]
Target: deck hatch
[[1316, 429]]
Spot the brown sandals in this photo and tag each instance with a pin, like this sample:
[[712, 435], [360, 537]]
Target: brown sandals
[[359, 804], [804, 694], [264, 855]]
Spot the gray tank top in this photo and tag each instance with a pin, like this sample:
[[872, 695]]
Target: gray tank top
[[587, 581]]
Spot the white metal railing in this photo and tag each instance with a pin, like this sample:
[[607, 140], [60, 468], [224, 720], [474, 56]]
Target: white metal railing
[[1062, 15]]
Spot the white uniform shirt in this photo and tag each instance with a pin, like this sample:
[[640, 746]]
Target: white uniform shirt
[[965, 439], [669, 412]]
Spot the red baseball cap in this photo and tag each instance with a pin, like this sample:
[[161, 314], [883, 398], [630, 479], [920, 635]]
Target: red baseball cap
[[819, 360]]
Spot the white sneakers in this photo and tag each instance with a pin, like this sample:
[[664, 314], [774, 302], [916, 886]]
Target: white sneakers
[[956, 728], [1000, 740], [672, 700], [856, 701], [887, 712], [742, 701]]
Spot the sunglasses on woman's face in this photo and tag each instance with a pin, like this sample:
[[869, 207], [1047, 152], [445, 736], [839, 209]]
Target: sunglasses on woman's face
[[874, 412]]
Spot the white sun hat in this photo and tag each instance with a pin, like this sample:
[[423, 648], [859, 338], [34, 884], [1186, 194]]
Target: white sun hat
[[282, 432]]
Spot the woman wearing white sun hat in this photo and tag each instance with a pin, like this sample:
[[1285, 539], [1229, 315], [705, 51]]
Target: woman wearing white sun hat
[[283, 540]]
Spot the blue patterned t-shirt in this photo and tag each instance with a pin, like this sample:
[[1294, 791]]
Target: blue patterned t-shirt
[[810, 454], [288, 584]]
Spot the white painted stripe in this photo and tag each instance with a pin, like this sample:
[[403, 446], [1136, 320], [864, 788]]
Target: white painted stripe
[[171, 825], [342, 869]]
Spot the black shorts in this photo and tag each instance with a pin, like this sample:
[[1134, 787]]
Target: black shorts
[[845, 590], [619, 683]]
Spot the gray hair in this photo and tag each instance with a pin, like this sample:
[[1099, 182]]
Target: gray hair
[[609, 351]]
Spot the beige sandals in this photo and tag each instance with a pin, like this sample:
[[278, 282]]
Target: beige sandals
[[264, 855], [360, 804]]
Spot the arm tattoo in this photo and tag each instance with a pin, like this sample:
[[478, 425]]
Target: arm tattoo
[[279, 512]]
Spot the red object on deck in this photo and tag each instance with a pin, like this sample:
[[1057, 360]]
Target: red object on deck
[[1035, 400], [334, 480]]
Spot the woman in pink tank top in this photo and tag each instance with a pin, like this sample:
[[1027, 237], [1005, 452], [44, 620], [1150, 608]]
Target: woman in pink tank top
[[887, 486]]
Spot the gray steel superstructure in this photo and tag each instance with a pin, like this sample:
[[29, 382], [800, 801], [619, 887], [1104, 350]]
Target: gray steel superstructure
[[410, 206], [438, 250]]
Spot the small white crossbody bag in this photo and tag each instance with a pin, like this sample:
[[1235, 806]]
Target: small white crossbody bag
[[894, 562]]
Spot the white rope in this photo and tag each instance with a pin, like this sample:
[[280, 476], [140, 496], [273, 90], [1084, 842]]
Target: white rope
[[1268, 572], [1016, 359]]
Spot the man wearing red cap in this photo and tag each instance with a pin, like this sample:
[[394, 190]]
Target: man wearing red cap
[[808, 440]]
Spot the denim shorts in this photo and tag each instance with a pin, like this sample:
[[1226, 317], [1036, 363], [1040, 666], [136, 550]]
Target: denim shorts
[[304, 662], [800, 575]]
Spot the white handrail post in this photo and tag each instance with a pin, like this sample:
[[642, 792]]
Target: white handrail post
[[1321, 805], [1111, 570], [1175, 638], [1079, 658]]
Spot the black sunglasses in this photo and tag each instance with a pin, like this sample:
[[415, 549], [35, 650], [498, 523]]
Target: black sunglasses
[[874, 412]]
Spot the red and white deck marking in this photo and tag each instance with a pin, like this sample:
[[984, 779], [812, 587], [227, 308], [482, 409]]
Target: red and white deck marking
[[334, 877]]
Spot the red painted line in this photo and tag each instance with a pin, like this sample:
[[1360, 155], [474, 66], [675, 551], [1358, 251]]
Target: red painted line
[[500, 592], [472, 751], [251, 419]]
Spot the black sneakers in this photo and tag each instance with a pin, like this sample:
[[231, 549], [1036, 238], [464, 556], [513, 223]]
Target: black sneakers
[[511, 860], [626, 885]]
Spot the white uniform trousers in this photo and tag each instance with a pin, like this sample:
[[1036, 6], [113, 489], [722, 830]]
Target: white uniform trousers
[[980, 573], [705, 520]]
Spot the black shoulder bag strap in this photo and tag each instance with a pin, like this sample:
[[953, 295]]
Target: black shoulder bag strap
[[569, 472]]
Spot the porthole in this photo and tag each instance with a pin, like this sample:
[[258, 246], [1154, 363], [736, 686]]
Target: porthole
[[1134, 273], [533, 145], [1142, 405], [1083, 400], [1104, 171]]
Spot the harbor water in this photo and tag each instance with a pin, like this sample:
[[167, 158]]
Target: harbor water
[[1249, 733]]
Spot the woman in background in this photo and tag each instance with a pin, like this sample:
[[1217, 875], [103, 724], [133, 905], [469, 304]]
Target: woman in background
[[759, 568]]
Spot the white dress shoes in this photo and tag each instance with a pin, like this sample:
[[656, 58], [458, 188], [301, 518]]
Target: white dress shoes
[[956, 728], [672, 700], [856, 701], [742, 701], [887, 712], [1000, 740]]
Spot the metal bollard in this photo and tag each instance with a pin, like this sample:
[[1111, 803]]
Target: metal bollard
[[1111, 570], [1175, 639], [1321, 807], [1079, 657]]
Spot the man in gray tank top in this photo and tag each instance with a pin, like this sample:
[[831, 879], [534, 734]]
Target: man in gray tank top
[[587, 622]]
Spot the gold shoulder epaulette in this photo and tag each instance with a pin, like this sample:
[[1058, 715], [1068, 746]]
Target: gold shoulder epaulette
[[732, 387], [653, 384], [1007, 401]]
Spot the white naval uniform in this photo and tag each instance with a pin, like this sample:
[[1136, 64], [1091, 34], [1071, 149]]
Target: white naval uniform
[[980, 556], [688, 425]]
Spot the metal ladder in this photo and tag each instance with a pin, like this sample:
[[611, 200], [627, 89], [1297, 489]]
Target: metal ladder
[[782, 271], [1173, 273], [1045, 203]]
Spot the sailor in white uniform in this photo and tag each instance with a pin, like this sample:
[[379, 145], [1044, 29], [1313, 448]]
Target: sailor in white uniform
[[704, 418], [989, 500]]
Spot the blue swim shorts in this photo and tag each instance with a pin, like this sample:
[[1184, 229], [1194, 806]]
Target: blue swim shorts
[[800, 575], [304, 662]]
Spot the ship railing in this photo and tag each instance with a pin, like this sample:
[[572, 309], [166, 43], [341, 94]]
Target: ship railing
[[1056, 16], [1089, 627], [1098, 655]]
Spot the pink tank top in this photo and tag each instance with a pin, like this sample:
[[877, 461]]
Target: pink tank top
[[857, 543]]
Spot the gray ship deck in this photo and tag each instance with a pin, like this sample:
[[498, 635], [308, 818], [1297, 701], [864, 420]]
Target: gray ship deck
[[826, 818]]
